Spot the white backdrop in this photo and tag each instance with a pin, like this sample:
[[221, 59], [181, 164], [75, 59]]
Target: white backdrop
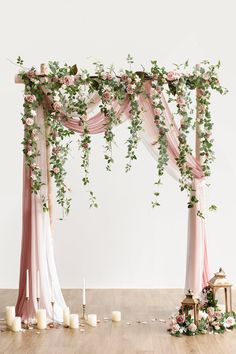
[[124, 243]]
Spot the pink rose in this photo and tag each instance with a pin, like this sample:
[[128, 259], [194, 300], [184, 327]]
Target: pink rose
[[206, 76], [56, 170], [30, 98], [229, 322], [29, 121], [175, 328], [106, 96], [56, 150], [31, 74], [154, 76], [201, 92], [210, 311], [192, 327], [57, 106], [180, 319], [131, 89], [107, 76], [180, 101], [68, 80], [157, 111], [172, 75], [124, 77], [201, 108]]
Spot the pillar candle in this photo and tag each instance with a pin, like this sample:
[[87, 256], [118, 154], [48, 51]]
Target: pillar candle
[[84, 295], [92, 320], [74, 321], [41, 319], [116, 316], [10, 315], [27, 283], [66, 317], [16, 324]]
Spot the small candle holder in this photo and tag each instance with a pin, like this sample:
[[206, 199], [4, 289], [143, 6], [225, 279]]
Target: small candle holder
[[27, 322], [83, 317], [52, 324]]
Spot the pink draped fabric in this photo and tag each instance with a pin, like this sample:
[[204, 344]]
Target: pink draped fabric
[[37, 243], [197, 267]]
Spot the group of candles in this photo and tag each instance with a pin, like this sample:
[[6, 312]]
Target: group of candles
[[72, 320], [69, 320]]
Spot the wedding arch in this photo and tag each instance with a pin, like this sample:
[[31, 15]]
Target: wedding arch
[[61, 101]]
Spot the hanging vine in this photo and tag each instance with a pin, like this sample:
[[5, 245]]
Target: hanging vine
[[67, 91]]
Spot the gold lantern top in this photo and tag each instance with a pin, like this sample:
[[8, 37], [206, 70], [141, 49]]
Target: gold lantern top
[[189, 299], [219, 280]]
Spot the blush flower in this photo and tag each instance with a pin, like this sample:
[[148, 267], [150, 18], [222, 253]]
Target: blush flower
[[31, 74], [30, 98], [131, 89], [56, 170], [192, 327], [180, 101], [29, 121], [175, 328], [172, 75], [210, 311], [57, 106], [206, 76], [229, 322], [180, 319], [106, 96], [157, 111], [68, 80]]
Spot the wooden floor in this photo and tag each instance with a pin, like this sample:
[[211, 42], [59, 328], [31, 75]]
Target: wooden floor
[[115, 338]]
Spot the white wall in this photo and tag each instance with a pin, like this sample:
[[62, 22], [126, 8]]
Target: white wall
[[124, 243]]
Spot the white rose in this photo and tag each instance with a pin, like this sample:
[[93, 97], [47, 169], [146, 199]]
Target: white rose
[[33, 113]]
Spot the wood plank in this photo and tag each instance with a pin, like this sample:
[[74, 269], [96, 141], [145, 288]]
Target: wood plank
[[115, 338]]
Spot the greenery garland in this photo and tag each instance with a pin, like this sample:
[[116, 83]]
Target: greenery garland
[[69, 89]]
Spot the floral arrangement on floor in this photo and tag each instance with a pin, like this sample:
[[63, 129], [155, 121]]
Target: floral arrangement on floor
[[69, 89], [212, 318]]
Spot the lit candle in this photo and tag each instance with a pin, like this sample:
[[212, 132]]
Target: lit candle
[[116, 316], [16, 324], [92, 320], [27, 284], [74, 321], [84, 295], [10, 315], [41, 319], [66, 317], [38, 285], [52, 292]]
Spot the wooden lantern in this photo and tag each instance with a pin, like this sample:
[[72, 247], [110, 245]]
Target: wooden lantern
[[190, 303], [219, 281]]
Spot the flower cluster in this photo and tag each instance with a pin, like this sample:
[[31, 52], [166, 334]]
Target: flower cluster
[[32, 99], [70, 89], [212, 318]]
